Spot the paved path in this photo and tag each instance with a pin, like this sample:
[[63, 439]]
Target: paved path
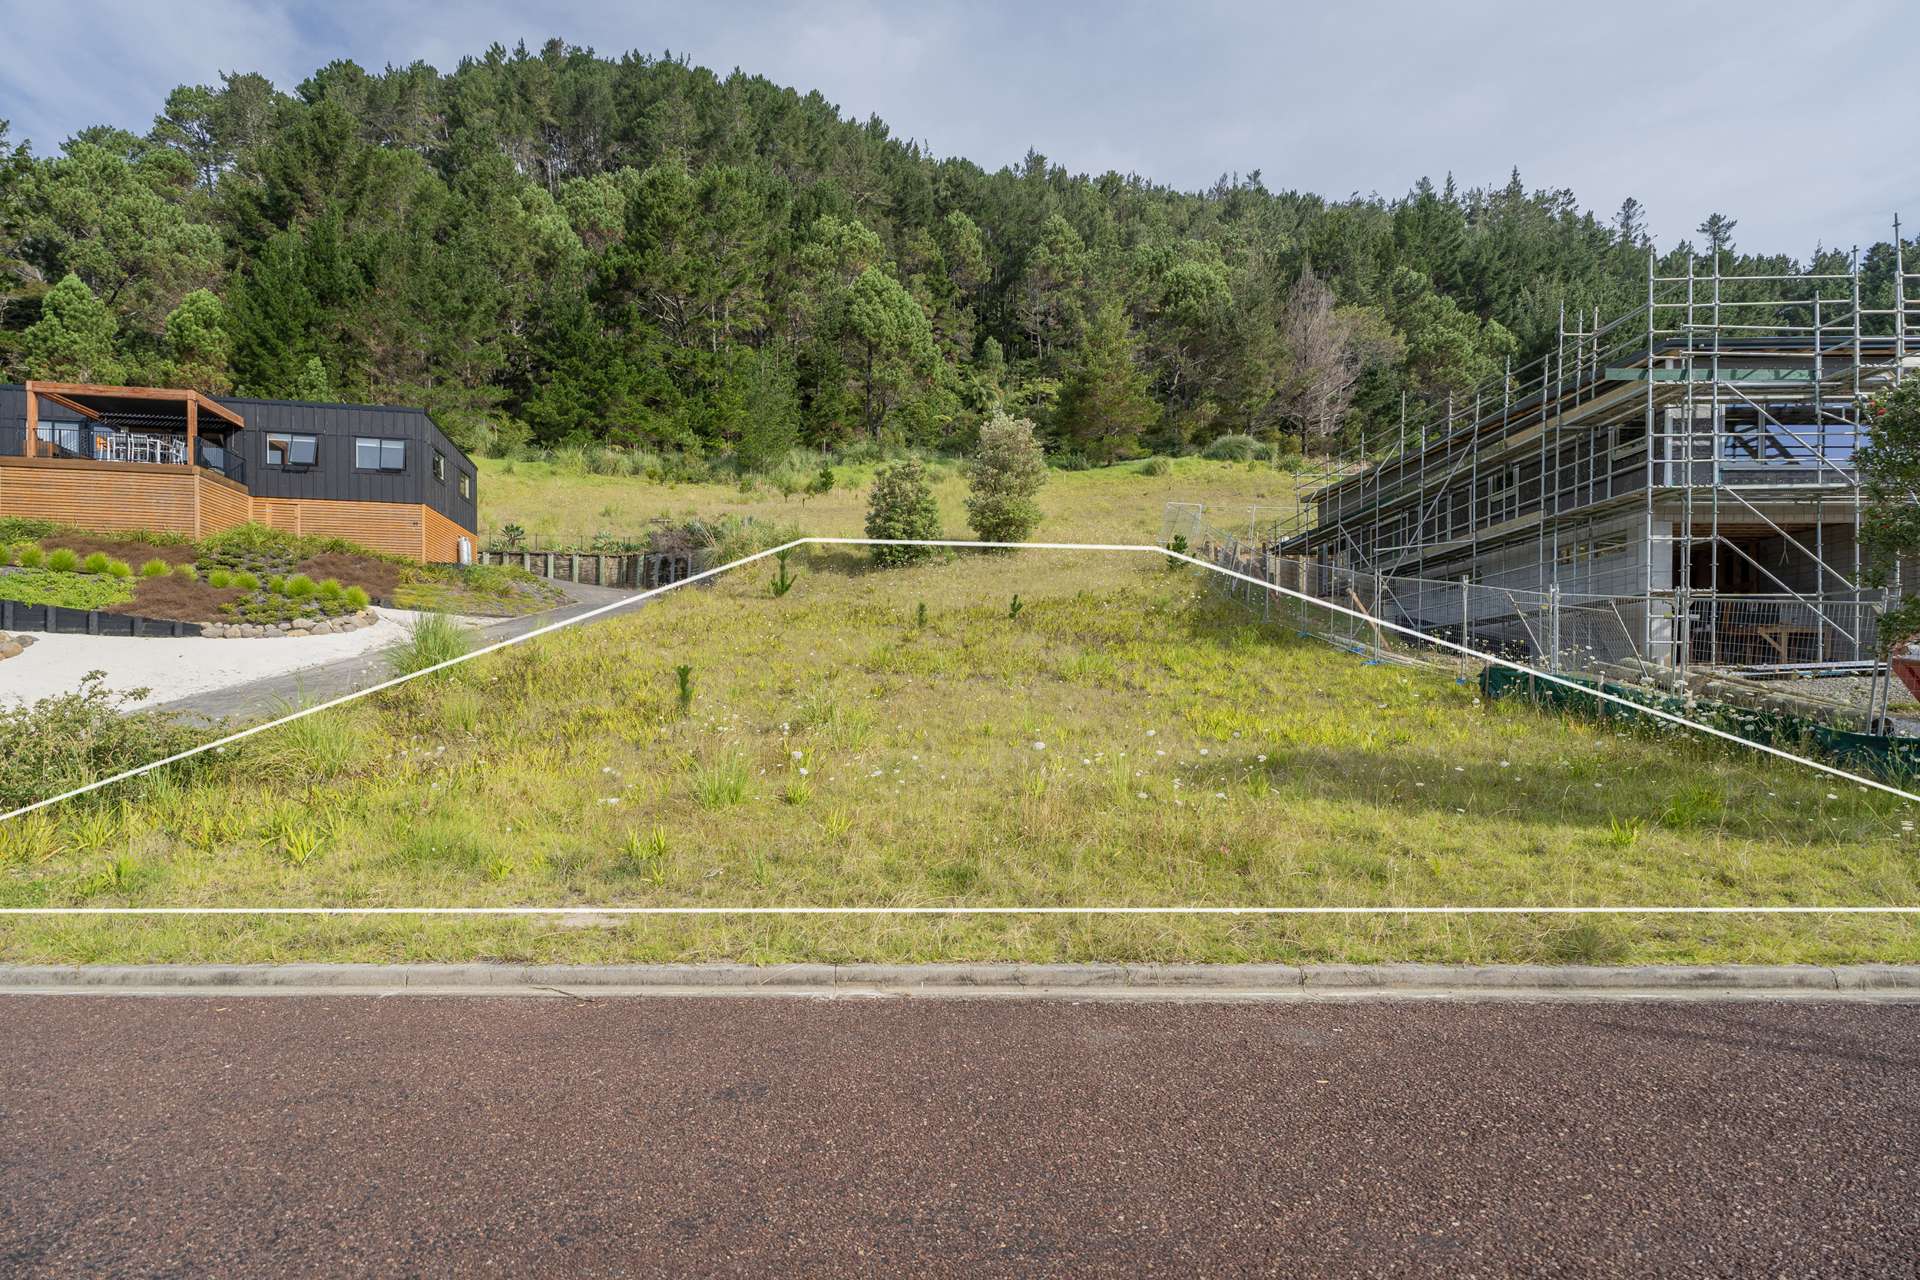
[[462, 1136], [330, 680]]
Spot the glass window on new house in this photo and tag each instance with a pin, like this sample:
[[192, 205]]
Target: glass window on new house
[[439, 466], [287, 450], [371, 453]]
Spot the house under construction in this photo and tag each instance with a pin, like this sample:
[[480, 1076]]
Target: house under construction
[[1675, 488]]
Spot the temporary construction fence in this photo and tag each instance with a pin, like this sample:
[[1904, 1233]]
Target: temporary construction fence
[[1661, 644]]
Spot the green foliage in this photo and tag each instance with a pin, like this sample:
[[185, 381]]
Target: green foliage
[[1890, 469], [545, 246], [683, 686], [822, 482], [298, 587], [355, 598], [220, 579], [29, 555], [119, 569], [73, 738], [902, 505], [68, 590], [1007, 471], [1014, 607], [245, 581], [1155, 467], [73, 340], [433, 639], [64, 560], [1236, 448], [782, 580], [96, 562]]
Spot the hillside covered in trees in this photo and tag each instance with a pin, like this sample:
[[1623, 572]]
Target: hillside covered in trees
[[552, 247]]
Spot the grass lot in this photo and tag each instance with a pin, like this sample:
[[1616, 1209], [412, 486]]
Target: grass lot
[[1112, 503], [1127, 738]]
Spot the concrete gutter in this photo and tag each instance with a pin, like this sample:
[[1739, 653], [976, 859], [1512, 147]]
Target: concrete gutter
[[1061, 981]]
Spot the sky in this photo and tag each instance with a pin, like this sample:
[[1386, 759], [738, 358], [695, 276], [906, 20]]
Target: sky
[[1798, 120]]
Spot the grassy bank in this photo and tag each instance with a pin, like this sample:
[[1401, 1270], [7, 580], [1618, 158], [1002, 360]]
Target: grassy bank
[[1100, 505], [1125, 737]]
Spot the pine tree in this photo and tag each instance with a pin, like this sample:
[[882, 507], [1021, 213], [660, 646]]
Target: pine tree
[[72, 341], [1104, 402]]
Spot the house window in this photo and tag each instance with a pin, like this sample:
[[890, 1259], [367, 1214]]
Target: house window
[[373, 454], [439, 466], [284, 450], [466, 486]]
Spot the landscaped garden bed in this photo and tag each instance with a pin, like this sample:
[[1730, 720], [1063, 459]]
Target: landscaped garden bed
[[250, 581]]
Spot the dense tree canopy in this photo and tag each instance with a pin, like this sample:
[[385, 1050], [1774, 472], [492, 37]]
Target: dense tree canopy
[[550, 245]]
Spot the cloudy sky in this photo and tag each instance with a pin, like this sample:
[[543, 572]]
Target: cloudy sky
[[1799, 120]]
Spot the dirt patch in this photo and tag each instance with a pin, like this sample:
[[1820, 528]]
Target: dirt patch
[[173, 599], [377, 578], [135, 551]]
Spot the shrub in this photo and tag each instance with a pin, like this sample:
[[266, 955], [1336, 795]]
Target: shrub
[[72, 738], [1007, 471], [433, 639], [1234, 448], [356, 598], [30, 556], [95, 563], [902, 506], [246, 581], [155, 568], [8, 553], [119, 569], [329, 589], [1070, 461], [220, 579], [822, 482], [1156, 467], [186, 570], [299, 587], [64, 560]]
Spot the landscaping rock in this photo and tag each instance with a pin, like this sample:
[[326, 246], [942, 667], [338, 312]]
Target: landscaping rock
[[26, 641], [12, 649]]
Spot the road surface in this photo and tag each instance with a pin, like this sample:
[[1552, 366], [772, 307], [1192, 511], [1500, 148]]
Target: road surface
[[464, 1136]]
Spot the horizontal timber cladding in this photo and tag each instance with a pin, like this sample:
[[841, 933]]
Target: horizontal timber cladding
[[398, 528], [99, 495], [443, 538], [223, 505]]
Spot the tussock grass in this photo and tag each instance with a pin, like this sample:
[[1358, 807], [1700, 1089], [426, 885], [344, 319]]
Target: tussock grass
[[433, 638]]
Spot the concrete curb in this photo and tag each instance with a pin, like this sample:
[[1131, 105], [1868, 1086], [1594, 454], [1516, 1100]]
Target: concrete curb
[[1091, 980]]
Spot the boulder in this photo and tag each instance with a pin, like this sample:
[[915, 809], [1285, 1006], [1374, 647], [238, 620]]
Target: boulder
[[11, 649]]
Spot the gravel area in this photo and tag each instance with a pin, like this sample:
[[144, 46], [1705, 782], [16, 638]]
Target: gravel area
[[172, 669], [453, 1136]]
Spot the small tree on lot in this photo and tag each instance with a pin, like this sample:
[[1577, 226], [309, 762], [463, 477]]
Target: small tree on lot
[[902, 506], [1006, 473], [1890, 466]]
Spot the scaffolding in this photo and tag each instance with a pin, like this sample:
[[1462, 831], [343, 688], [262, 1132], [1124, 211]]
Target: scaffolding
[[1685, 472]]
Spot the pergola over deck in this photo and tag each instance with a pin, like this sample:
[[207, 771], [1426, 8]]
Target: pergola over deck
[[118, 408]]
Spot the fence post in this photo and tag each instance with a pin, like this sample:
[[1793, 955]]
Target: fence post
[[1553, 627], [1466, 620]]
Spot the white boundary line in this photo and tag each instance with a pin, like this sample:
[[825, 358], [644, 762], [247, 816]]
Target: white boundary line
[[1657, 910], [638, 597]]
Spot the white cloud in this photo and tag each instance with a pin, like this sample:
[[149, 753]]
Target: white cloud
[[1796, 123]]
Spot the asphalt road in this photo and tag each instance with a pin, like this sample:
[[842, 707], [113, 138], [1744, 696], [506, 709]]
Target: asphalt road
[[470, 1136]]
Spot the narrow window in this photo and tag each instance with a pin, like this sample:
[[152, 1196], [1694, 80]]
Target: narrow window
[[466, 486], [439, 466]]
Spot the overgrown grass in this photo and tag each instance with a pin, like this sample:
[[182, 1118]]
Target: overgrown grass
[[1128, 739], [433, 639]]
